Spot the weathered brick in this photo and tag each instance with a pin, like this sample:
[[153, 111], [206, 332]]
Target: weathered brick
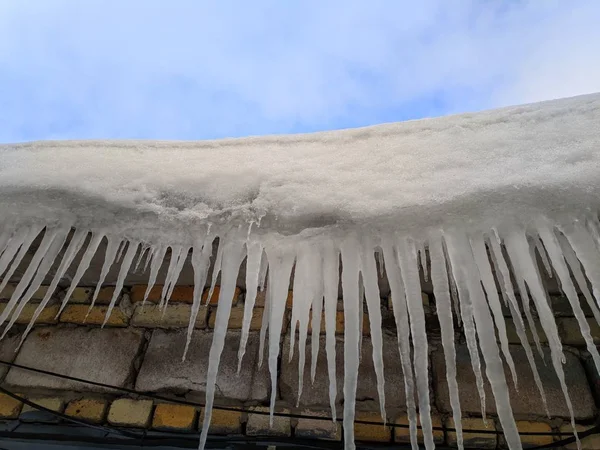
[[532, 440], [52, 403], [402, 434], [371, 433], [258, 424], [214, 298], [223, 422], [181, 294], [318, 428], [169, 416], [47, 316], [473, 439], [81, 295], [236, 318], [88, 409], [175, 316], [513, 337], [95, 354], [10, 408], [527, 400], [79, 314], [570, 333], [591, 442], [127, 412], [105, 296]]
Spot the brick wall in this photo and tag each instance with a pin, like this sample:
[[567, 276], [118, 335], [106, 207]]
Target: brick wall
[[141, 348]]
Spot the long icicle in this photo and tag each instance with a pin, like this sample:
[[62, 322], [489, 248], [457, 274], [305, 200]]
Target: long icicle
[[331, 274], [441, 291], [407, 256], [158, 257], [132, 249], [253, 264], [109, 257], [15, 251]]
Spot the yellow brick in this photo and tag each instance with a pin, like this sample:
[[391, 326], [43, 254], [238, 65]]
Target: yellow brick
[[175, 316], [77, 314], [403, 434], [81, 295], [47, 316], [174, 417], [223, 422], [40, 293], [105, 295], [52, 403], [591, 442], [130, 413], [214, 298], [236, 318], [371, 433], [526, 426], [181, 294], [90, 410], [473, 439], [570, 332], [9, 407]]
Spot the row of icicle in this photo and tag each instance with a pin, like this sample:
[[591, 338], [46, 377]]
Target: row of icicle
[[461, 267]]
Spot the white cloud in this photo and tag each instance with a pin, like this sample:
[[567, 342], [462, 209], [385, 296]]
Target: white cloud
[[186, 69]]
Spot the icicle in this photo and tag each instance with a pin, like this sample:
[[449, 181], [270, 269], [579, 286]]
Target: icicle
[[120, 251], [439, 278], [253, 265], [501, 270], [49, 237], [454, 294], [216, 271], [232, 258], [542, 252], [264, 326], [4, 238], [181, 259], [560, 266], [158, 256], [75, 245], [517, 248], [522, 290], [172, 274], [361, 313], [407, 256], [132, 249], [487, 278], [586, 251], [575, 267], [423, 259], [331, 274], [41, 272], [369, 276], [463, 262], [403, 334], [201, 252], [262, 274], [317, 313], [150, 258], [143, 251], [15, 251], [83, 266], [109, 257], [280, 269], [466, 311], [594, 227], [352, 333], [379, 257]]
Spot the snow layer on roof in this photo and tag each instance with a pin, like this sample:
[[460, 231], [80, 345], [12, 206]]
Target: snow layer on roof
[[481, 167]]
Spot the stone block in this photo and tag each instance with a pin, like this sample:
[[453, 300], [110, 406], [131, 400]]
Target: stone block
[[79, 314], [368, 432], [534, 440], [402, 434], [525, 402], [317, 428], [126, 412], [168, 416], [570, 333], [214, 298], [181, 294], [591, 442], [162, 368], [317, 393], [10, 408], [105, 296], [47, 316], [95, 354], [258, 424], [82, 295], [88, 409], [473, 439], [175, 316], [223, 422]]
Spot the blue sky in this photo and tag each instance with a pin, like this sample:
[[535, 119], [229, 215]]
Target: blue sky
[[157, 69]]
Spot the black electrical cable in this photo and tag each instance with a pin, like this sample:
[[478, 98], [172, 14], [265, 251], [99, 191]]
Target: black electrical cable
[[591, 431]]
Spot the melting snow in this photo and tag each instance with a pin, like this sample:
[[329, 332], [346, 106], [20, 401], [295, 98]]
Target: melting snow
[[481, 194]]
